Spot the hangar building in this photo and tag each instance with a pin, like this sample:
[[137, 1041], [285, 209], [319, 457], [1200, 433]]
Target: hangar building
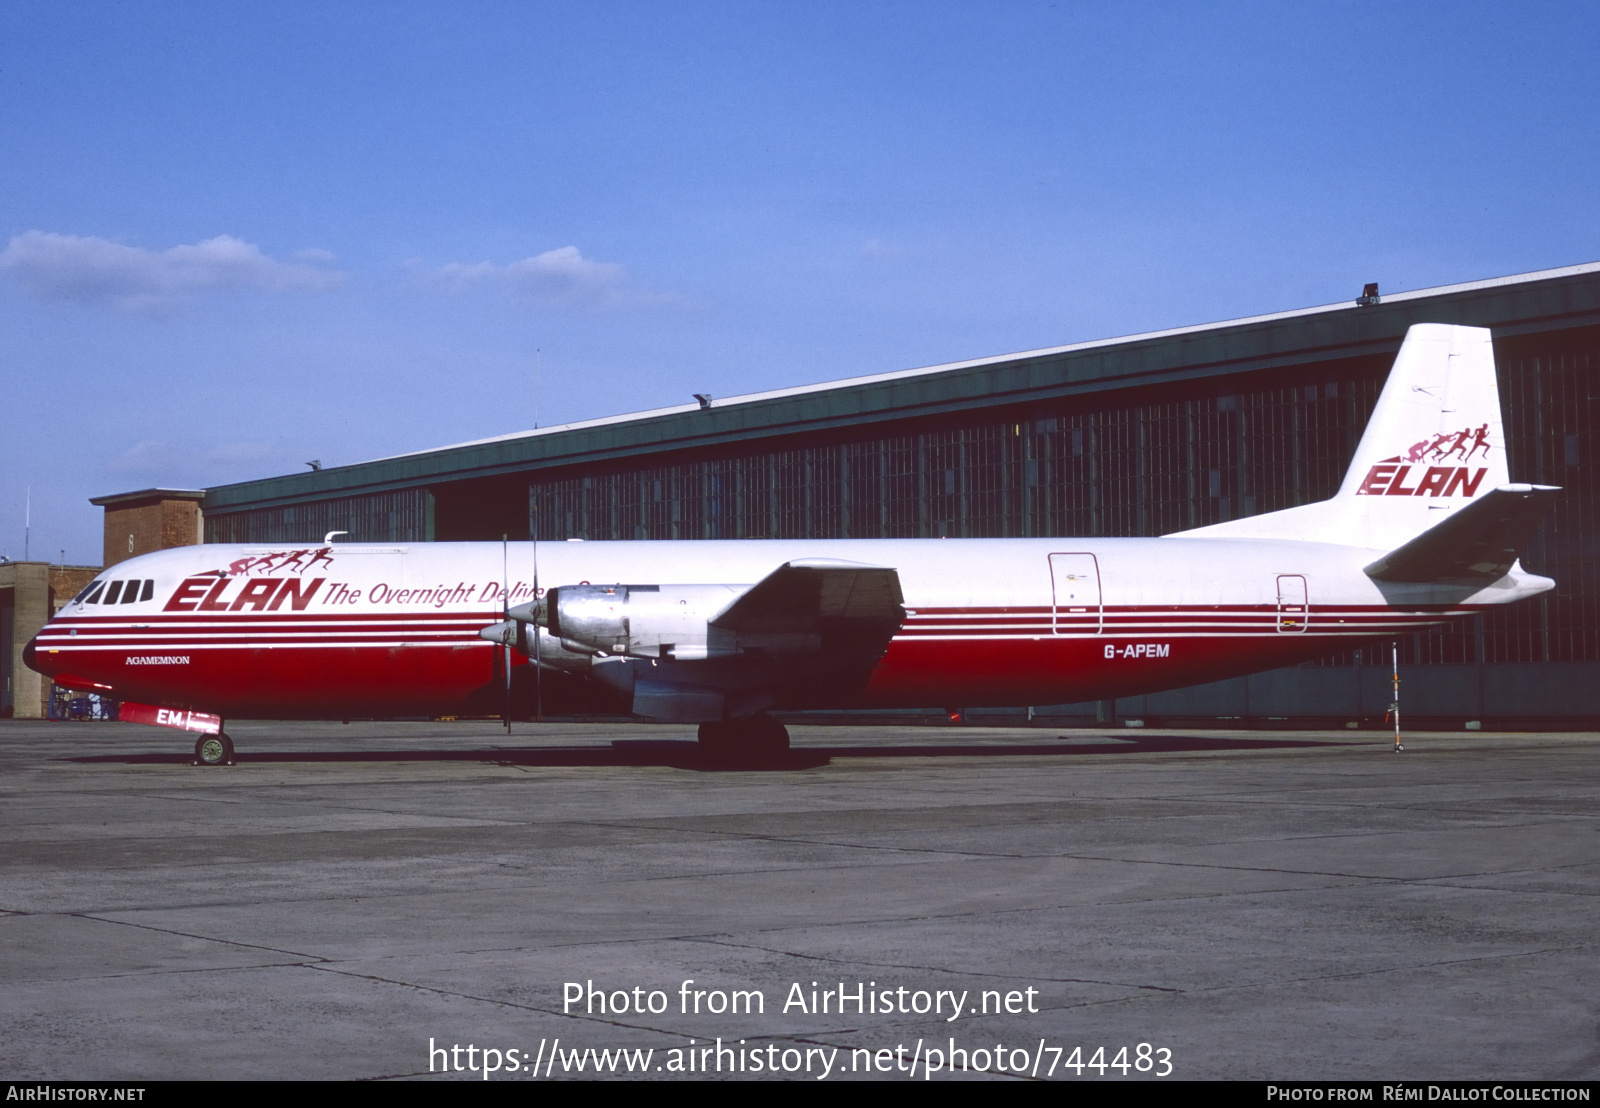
[[1134, 436]]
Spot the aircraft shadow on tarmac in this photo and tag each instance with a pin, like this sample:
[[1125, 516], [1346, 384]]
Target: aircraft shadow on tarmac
[[686, 754]]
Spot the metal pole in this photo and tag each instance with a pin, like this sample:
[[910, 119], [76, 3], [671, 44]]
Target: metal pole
[[538, 658], [1394, 705], [505, 608]]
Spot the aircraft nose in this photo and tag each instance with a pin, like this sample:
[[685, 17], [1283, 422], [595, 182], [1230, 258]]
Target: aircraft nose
[[30, 655]]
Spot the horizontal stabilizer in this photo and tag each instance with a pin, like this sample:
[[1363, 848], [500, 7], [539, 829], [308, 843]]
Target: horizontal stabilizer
[[803, 596], [1474, 545]]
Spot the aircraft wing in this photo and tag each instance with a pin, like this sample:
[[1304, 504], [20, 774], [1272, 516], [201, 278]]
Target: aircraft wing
[[816, 604], [1474, 545], [798, 636]]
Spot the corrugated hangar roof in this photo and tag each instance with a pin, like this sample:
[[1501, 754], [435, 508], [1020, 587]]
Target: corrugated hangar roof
[[1519, 304]]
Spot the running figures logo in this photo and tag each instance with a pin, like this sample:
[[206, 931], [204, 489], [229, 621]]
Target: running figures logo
[[1465, 442], [1390, 476], [279, 561]]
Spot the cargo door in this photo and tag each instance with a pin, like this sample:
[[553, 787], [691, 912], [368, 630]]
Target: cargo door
[[1293, 611], [1075, 581]]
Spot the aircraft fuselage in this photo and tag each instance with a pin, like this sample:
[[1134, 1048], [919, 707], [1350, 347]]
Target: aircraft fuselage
[[363, 630]]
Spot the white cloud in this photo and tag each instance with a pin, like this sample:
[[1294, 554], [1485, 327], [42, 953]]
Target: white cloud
[[86, 268], [557, 276]]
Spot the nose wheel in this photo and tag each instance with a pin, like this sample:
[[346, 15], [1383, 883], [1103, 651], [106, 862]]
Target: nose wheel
[[213, 750]]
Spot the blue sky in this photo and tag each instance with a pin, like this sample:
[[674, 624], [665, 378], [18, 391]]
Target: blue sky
[[236, 237]]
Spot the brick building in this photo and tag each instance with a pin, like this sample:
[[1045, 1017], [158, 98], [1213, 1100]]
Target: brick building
[[30, 593]]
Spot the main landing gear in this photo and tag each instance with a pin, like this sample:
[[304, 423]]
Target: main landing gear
[[758, 740], [213, 750]]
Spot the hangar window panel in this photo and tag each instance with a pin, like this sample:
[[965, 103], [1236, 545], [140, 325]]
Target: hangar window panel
[[642, 511], [754, 479], [977, 511], [735, 520], [1326, 442], [598, 515], [866, 484], [691, 491], [1046, 498], [1045, 480], [1072, 494], [663, 512], [750, 490], [904, 504], [791, 494], [943, 460], [555, 510], [1169, 478], [1118, 484], [719, 502], [650, 520], [1082, 503], [991, 456], [633, 491], [600, 500], [723, 508], [748, 501], [1059, 482], [827, 485], [1275, 418], [398, 516]]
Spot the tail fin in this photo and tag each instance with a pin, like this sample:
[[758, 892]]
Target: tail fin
[[1434, 445], [1437, 421]]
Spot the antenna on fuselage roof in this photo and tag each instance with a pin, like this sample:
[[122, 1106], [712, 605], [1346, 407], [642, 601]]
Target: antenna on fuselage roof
[[327, 540]]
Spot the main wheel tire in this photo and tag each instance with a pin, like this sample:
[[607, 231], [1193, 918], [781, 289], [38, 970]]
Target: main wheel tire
[[768, 739], [213, 750], [718, 738], [753, 741]]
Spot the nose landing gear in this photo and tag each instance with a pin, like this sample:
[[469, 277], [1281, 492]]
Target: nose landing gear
[[213, 750]]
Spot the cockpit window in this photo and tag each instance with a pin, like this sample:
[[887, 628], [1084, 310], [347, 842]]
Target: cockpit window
[[118, 592]]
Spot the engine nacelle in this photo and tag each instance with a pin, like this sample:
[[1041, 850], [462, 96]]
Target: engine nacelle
[[642, 621]]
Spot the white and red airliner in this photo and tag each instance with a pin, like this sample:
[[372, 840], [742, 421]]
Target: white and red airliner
[[1425, 528]]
